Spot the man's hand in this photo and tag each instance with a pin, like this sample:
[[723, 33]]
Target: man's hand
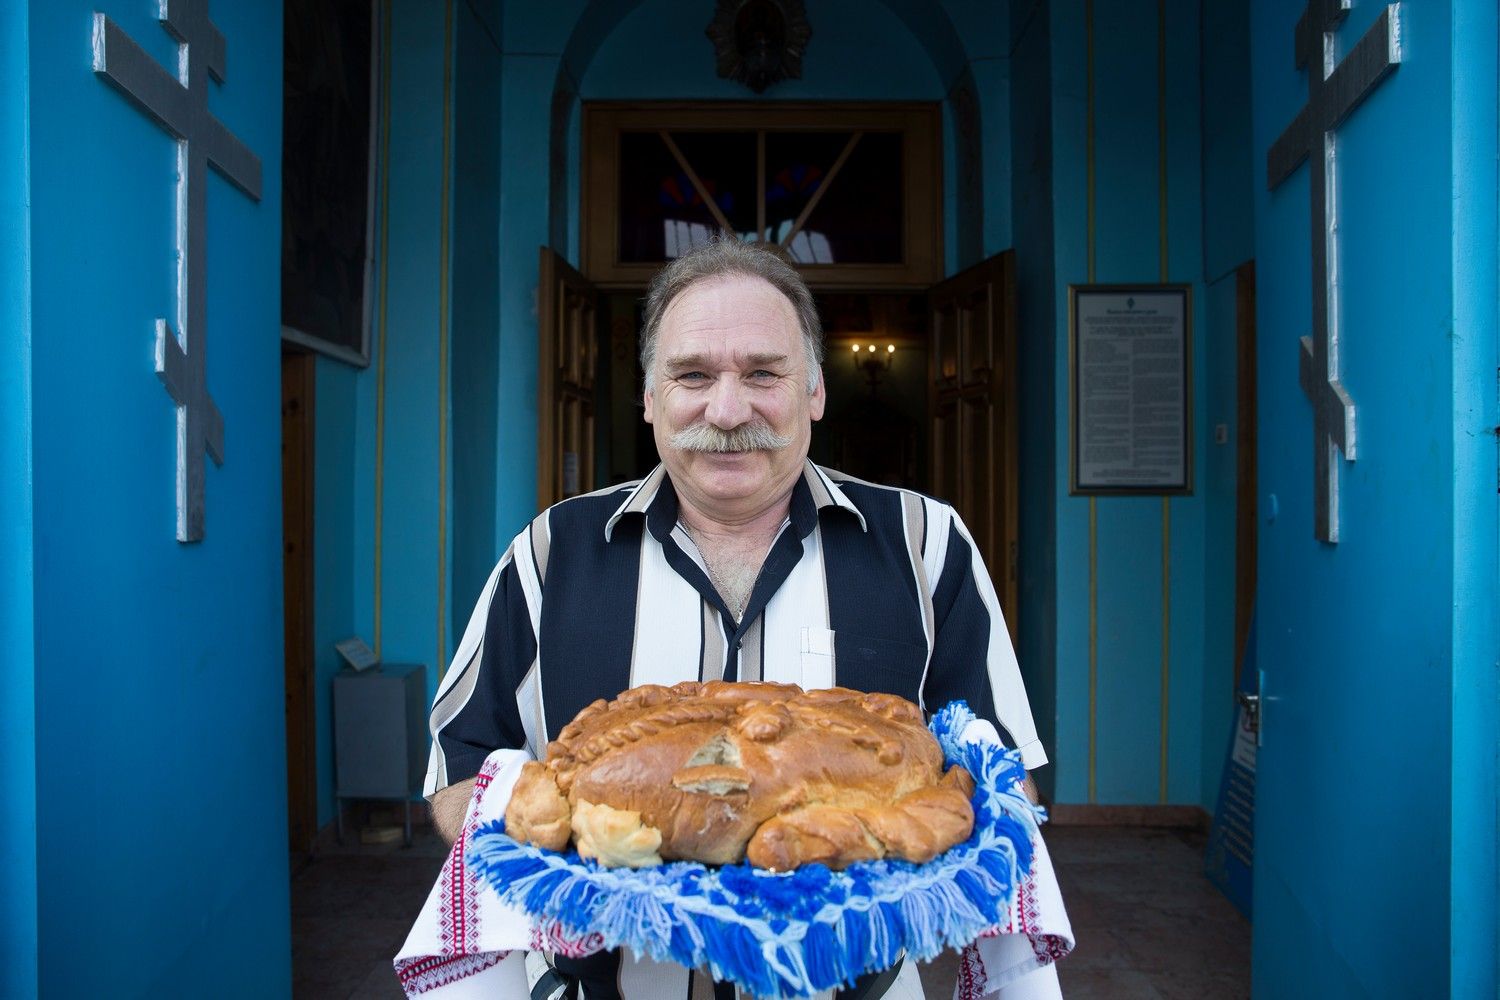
[[449, 806]]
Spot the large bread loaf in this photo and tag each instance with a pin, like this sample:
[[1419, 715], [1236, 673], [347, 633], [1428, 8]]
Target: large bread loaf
[[721, 771]]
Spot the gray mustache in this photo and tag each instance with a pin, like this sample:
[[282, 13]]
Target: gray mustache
[[754, 436]]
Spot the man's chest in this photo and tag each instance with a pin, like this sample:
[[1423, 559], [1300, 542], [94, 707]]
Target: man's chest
[[821, 614]]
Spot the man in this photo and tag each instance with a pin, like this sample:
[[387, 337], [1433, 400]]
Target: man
[[735, 558]]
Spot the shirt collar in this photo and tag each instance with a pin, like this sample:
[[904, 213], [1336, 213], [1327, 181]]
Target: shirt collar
[[655, 499]]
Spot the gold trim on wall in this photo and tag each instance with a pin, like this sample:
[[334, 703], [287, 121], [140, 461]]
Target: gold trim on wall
[[1088, 32], [1166, 501], [445, 213], [385, 204]]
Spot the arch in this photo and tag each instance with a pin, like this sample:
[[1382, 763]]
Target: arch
[[928, 24]]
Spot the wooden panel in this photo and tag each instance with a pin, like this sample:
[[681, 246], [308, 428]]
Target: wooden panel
[[566, 360], [297, 388], [975, 414]]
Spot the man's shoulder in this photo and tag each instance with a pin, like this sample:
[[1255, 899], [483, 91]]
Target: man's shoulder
[[864, 494], [587, 512]]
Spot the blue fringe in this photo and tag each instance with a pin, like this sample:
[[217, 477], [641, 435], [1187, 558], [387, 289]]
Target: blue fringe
[[795, 933]]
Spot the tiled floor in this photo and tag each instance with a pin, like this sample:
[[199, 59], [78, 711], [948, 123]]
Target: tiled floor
[[1148, 924]]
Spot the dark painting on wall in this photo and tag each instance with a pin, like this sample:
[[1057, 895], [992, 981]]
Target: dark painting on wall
[[327, 176]]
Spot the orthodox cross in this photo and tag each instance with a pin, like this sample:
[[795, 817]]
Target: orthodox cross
[[179, 104], [1334, 90]]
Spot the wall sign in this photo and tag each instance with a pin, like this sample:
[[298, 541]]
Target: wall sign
[[1129, 354]]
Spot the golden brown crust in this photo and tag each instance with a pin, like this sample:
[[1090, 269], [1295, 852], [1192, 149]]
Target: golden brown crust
[[832, 775], [537, 811]]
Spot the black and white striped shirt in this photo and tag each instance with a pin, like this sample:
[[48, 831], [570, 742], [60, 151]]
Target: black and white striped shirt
[[867, 587]]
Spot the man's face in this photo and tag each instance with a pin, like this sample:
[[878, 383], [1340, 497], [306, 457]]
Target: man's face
[[729, 355]]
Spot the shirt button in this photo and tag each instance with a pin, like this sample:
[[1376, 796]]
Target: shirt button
[[740, 644]]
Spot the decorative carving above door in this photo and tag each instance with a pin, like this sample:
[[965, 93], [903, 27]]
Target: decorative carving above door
[[759, 42]]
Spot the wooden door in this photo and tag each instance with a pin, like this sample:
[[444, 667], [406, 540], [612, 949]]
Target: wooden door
[[297, 374], [972, 375], [566, 356]]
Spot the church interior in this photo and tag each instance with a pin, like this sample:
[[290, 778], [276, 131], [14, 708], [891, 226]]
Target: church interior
[[1264, 673]]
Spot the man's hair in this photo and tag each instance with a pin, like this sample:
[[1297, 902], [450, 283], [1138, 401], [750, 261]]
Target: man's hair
[[720, 257]]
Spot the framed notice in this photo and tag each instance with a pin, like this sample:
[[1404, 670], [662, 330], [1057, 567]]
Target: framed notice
[[1130, 395]]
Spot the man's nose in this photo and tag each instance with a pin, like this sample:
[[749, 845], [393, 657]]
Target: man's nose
[[728, 404]]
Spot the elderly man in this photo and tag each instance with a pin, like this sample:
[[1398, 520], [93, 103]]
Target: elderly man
[[735, 558]]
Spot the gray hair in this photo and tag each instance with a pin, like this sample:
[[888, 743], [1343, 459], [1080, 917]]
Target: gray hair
[[722, 256]]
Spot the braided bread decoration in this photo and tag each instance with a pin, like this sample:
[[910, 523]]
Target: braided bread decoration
[[719, 771]]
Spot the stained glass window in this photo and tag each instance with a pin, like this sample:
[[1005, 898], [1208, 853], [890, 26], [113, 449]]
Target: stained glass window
[[843, 199]]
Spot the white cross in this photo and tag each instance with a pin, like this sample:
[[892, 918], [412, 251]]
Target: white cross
[[1334, 90], [179, 104]]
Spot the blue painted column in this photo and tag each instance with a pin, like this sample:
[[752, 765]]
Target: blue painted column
[[526, 83], [1474, 911], [18, 925], [1128, 578], [160, 843]]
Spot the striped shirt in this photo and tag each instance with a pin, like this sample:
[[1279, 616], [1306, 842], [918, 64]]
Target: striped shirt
[[866, 587]]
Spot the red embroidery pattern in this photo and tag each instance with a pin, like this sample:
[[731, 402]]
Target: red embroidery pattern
[[972, 978], [458, 913], [418, 975], [554, 938], [1047, 947], [458, 906]]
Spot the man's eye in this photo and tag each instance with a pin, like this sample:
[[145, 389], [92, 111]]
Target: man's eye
[[691, 377], [762, 374]]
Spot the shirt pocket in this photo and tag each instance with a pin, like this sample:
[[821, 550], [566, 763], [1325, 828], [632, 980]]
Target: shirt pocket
[[867, 663], [816, 662]]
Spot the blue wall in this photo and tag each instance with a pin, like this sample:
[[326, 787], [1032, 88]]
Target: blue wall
[[336, 479], [1379, 652], [18, 930], [1031, 114], [475, 365], [1151, 567], [384, 433], [159, 748]]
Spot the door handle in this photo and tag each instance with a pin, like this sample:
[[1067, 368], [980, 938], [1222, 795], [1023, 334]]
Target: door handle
[[1251, 703]]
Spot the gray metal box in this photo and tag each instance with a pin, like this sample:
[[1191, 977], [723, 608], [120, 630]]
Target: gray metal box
[[380, 731]]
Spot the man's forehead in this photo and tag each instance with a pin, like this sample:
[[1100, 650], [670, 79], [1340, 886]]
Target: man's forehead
[[694, 355], [730, 299]]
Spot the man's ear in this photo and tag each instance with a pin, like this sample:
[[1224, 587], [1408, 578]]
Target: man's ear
[[647, 399], [819, 399]]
